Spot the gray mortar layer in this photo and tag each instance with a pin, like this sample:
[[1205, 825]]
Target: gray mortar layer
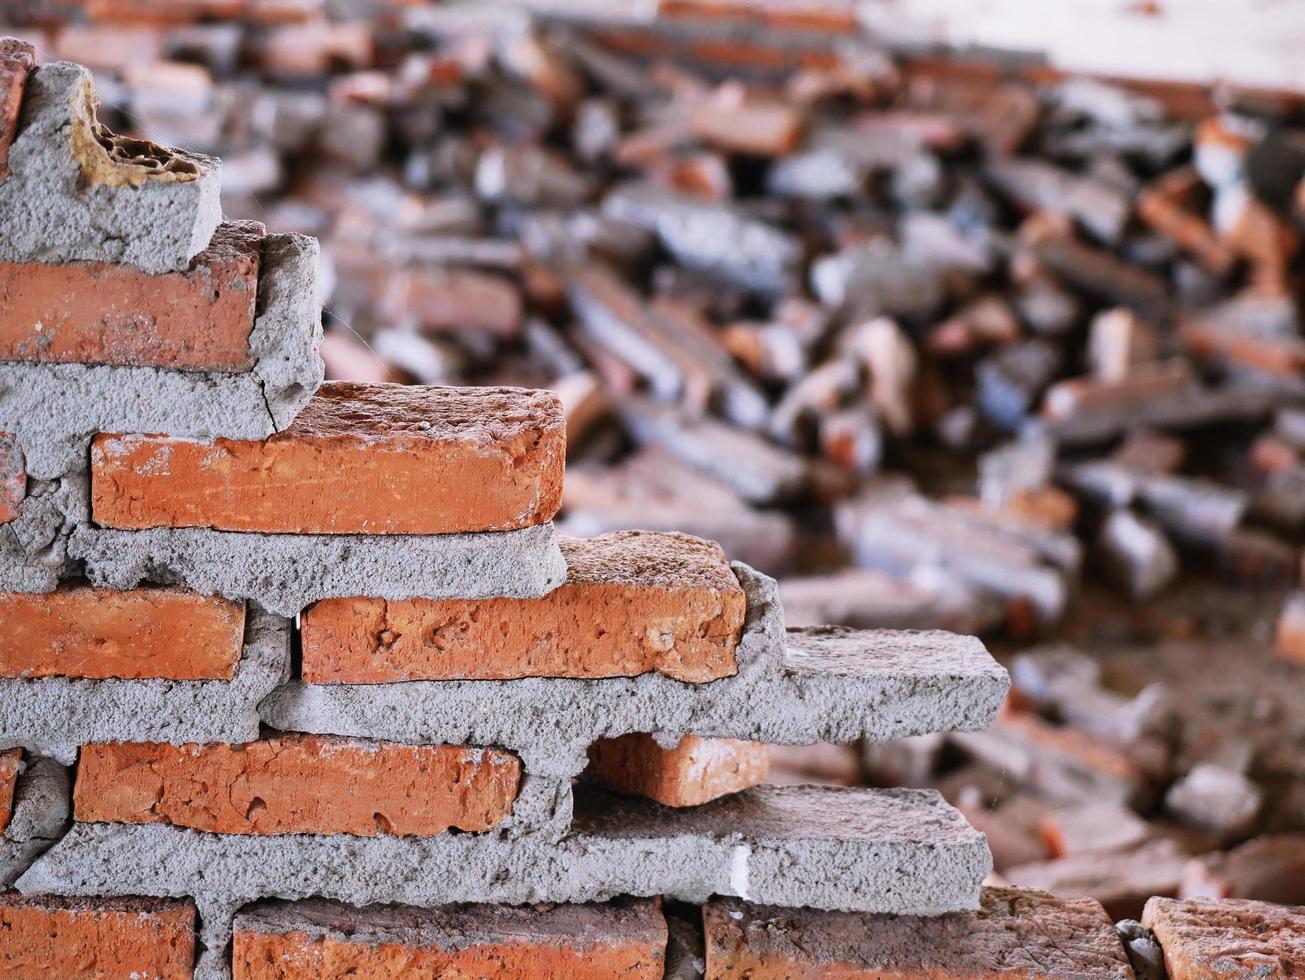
[[41, 811], [55, 409], [797, 688], [53, 214], [54, 715], [286, 572], [890, 851], [34, 545]]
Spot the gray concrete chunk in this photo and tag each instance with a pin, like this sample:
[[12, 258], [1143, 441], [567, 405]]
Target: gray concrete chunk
[[41, 811], [286, 572], [824, 684], [77, 192], [34, 545]]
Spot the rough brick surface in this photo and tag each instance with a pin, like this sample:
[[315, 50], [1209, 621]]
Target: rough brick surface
[[13, 480], [297, 784], [45, 936], [1229, 939], [16, 59], [359, 459], [100, 313], [80, 631], [634, 602], [694, 771], [1022, 935], [10, 763], [317, 938]]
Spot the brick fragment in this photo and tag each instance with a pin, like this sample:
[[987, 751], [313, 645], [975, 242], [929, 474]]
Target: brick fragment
[[1270, 868], [11, 763], [13, 478], [52, 936], [1122, 881], [1211, 939], [694, 771], [16, 59], [80, 631], [297, 784], [359, 459], [317, 938], [199, 319], [634, 602], [452, 299], [1024, 935]]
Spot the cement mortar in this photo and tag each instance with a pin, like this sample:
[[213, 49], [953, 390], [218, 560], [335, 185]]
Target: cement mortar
[[40, 813], [803, 687], [34, 545], [54, 715]]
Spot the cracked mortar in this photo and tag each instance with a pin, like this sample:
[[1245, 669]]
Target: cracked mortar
[[39, 816], [34, 545]]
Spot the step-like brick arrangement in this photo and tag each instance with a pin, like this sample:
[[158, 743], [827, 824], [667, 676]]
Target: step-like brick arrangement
[[80, 631], [312, 939], [1222, 939], [633, 602], [695, 770], [297, 784], [359, 459]]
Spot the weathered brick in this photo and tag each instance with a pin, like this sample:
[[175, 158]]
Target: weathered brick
[[16, 59], [1024, 935], [101, 313], [634, 602], [694, 771], [359, 459], [13, 477], [297, 784], [1228, 939], [10, 764], [50, 936], [317, 938], [80, 631]]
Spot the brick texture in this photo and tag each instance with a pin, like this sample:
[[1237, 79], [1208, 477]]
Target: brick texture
[[48, 936], [1014, 934], [80, 631], [10, 764], [16, 59], [634, 602], [297, 784], [359, 459], [98, 313], [1228, 939], [694, 771], [13, 477], [314, 939]]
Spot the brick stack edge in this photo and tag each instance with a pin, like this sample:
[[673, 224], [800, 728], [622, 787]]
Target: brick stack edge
[[498, 753]]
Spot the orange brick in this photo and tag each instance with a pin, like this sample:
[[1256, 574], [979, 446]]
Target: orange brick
[[49, 936], [316, 938], [1228, 939], [695, 771], [359, 459], [297, 784], [10, 764], [16, 59], [634, 602], [99, 313], [80, 631], [1289, 638], [13, 479]]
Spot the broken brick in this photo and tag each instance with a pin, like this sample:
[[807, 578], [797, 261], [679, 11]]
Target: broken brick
[[13, 479], [11, 763], [17, 58], [1212, 939], [692, 772]]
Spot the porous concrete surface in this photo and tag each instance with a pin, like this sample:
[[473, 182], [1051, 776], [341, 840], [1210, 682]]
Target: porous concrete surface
[[892, 851], [55, 409], [34, 545], [283, 573], [40, 813], [814, 685], [70, 197], [54, 715]]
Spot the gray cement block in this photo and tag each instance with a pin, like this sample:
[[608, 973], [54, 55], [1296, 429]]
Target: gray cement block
[[894, 851], [42, 807], [825, 684], [78, 193], [54, 715], [55, 409], [285, 572], [34, 545]]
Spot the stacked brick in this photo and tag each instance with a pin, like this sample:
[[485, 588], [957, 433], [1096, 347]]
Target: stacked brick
[[493, 752]]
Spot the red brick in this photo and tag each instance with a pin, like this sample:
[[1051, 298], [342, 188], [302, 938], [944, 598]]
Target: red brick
[[297, 784], [634, 602], [359, 459], [694, 771], [99, 313], [49, 936], [10, 764], [16, 59], [1228, 939], [314, 939], [80, 631], [1019, 935], [13, 478], [735, 122], [452, 299], [1270, 868]]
